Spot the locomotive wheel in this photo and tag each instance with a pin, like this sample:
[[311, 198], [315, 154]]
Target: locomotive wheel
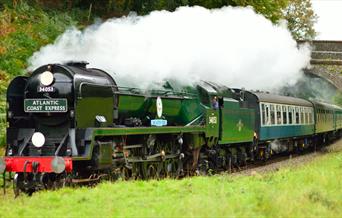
[[136, 171], [172, 168], [125, 173], [18, 185], [161, 171], [148, 170], [229, 164], [151, 172], [61, 183]]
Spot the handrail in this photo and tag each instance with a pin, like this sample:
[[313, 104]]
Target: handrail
[[155, 92]]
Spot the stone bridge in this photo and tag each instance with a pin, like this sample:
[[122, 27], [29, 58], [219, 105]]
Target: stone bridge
[[326, 61]]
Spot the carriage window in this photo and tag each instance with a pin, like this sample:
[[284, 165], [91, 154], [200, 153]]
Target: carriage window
[[317, 116], [302, 115], [306, 116], [297, 114], [309, 116], [329, 114], [321, 116], [272, 114], [284, 115], [290, 114], [263, 116], [325, 116], [278, 114], [267, 110]]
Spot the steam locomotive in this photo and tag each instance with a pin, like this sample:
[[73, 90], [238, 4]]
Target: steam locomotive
[[71, 124]]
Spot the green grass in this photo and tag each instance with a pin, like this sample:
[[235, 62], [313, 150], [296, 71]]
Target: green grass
[[312, 190]]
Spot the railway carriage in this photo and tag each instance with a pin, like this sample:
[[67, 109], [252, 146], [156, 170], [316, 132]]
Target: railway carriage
[[324, 117], [283, 117], [282, 123], [338, 119]]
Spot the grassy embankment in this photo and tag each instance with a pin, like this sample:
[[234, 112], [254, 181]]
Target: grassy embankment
[[314, 189], [23, 30]]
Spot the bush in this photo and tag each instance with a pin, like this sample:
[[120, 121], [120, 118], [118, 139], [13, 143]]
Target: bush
[[24, 29]]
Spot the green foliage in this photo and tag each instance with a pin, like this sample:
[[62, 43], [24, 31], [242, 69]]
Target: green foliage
[[298, 13], [24, 29], [313, 190], [28, 29], [269, 8], [2, 119], [301, 19]]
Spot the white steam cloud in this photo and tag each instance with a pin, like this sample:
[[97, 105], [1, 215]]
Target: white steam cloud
[[232, 46]]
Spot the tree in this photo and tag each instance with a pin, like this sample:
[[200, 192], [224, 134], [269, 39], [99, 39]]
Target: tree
[[271, 9], [301, 19], [298, 13]]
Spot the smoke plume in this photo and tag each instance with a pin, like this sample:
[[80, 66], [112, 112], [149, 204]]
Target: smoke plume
[[232, 46]]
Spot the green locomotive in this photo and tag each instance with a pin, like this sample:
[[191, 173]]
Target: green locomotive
[[73, 124]]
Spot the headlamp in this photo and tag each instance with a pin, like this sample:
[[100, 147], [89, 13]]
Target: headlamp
[[38, 139], [46, 78]]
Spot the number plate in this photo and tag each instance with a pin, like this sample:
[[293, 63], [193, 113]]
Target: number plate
[[45, 105], [158, 122], [46, 89]]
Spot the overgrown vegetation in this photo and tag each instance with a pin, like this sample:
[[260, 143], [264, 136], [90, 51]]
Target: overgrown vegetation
[[298, 13], [312, 190], [301, 18], [23, 30]]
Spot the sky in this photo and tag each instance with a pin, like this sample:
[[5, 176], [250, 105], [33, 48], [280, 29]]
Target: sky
[[328, 25]]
